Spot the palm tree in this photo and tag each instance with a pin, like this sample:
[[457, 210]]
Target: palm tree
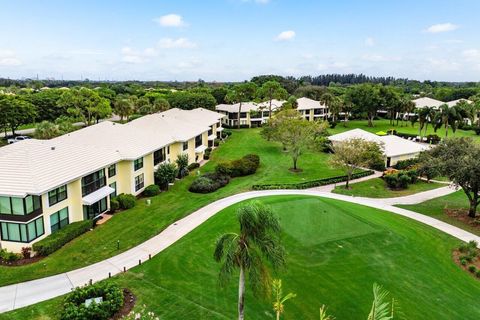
[[330, 101], [257, 243], [422, 114], [430, 117], [447, 117], [278, 304], [123, 107]]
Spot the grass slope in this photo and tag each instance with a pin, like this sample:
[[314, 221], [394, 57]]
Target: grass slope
[[377, 188], [436, 209], [384, 125], [172, 205], [336, 251]]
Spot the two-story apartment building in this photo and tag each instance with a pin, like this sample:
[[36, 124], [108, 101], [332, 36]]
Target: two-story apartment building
[[47, 184], [252, 114], [311, 109]]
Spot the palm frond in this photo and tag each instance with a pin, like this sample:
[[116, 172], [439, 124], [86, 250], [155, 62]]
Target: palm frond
[[380, 306], [324, 315]]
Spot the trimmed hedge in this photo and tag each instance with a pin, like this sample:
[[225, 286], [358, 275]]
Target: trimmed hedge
[[194, 165], [74, 305], [61, 237], [151, 190], [401, 179], [240, 167], [126, 201], [312, 183]]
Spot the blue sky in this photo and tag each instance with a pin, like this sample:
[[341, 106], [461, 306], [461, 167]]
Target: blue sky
[[233, 40]]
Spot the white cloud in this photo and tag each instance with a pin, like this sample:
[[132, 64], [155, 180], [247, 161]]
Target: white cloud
[[170, 20], [169, 43], [471, 53], [8, 58], [441, 27], [136, 56], [379, 58], [286, 35], [369, 42]]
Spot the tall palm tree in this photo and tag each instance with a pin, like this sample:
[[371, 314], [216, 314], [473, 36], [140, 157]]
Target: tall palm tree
[[448, 117], [430, 117], [249, 251], [330, 101], [422, 114]]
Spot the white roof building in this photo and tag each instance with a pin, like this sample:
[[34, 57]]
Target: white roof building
[[393, 146], [250, 106], [427, 102], [307, 104], [455, 102], [37, 166]]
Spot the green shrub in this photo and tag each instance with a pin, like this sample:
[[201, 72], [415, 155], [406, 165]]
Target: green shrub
[[165, 174], [74, 305], [26, 252], [406, 164], [401, 179], [208, 182], [477, 274], [463, 261], [312, 183], [216, 142], [114, 204], [472, 269], [240, 167], [61, 237], [182, 165], [126, 201], [433, 139], [8, 256], [151, 190], [193, 166]]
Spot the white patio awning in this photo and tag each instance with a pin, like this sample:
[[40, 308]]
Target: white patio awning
[[200, 149], [212, 137], [93, 197], [220, 129]]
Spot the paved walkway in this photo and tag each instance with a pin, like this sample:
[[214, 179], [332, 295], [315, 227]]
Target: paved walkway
[[31, 292]]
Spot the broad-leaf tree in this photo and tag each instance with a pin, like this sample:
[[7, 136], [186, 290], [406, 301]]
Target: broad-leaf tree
[[366, 99], [355, 153], [240, 93], [272, 90], [459, 160], [15, 111], [250, 251], [85, 104]]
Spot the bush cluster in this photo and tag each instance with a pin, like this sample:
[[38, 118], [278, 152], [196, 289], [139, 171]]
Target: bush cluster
[[8, 256], [207, 153], [401, 179], [61, 237], [216, 142], [240, 167], [312, 183], [151, 190], [114, 205], [74, 305], [165, 174], [406, 164], [126, 201], [209, 182], [194, 165]]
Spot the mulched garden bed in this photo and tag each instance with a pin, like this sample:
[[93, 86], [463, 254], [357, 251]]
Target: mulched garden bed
[[462, 216], [20, 262], [129, 300]]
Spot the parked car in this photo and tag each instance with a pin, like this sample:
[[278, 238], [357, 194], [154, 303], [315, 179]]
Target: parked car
[[17, 139]]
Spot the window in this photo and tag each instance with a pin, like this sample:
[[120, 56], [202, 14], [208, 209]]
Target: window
[[93, 182], [57, 195], [210, 132], [168, 150], [185, 145], [112, 170], [159, 156], [18, 232], [317, 111], [198, 141], [59, 219], [243, 115], [20, 206], [139, 183], [138, 164], [114, 193], [90, 212]]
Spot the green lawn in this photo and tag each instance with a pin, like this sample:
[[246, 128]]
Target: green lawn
[[377, 188], [384, 125], [170, 206], [335, 252], [436, 209]]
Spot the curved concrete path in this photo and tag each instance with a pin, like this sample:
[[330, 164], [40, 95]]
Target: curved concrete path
[[31, 292]]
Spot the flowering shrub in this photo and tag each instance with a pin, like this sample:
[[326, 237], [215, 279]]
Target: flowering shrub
[[142, 314]]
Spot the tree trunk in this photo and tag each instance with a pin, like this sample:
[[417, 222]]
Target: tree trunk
[[238, 117], [472, 211], [270, 110], [294, 163], [346, 120], [446, 130], [13, 131], [241, 294], [370, 122]]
